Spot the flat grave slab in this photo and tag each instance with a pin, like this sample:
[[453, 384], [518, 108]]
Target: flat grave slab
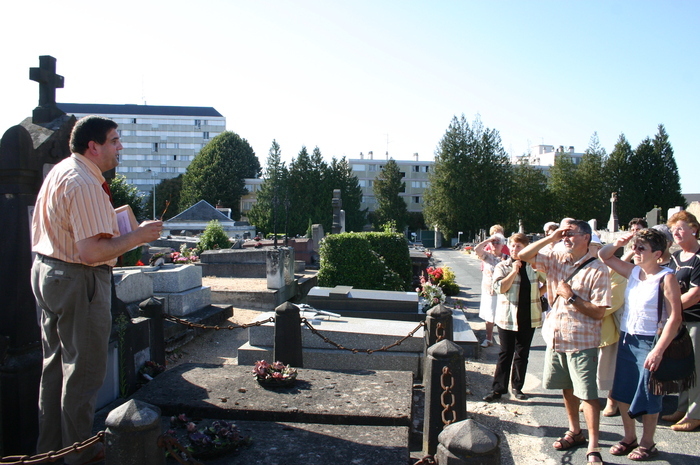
[[327, 397]]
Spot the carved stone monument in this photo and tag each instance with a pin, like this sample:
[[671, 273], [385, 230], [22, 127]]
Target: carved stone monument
[[653, 216], [27, 153], [613, 225], [337, 203]]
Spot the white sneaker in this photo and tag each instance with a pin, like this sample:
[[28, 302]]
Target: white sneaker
[[486, 343]]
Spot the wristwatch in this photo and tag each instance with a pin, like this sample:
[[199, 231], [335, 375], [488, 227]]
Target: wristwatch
[[571, 299]]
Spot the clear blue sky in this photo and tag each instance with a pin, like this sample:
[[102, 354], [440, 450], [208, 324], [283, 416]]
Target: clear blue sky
[[351, 77]]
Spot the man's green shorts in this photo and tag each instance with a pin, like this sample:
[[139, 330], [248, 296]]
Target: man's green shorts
[[572, 370]]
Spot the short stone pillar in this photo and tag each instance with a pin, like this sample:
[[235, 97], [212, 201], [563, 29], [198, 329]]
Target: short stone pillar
[[287, 347], [132, 435], [468, 442], [438, 325], [444, 368], [153, 309]]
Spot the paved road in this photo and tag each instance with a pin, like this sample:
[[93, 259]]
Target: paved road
[[539, 421]]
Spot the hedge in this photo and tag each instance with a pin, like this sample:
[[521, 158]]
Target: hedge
[[366, 260]]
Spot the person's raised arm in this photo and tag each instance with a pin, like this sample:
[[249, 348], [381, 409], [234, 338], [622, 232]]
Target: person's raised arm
[[529, 253], [99, 248], [607, 256], [481, 246]]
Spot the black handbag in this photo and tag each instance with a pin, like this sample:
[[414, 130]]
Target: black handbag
[[676, 372]]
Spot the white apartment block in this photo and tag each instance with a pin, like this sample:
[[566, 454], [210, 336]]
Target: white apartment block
[[159, 141], [415, 175], [543, 156]]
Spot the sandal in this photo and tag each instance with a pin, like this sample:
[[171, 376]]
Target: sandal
[[596, 455], [643, 453], [623, 448], [569, 440]]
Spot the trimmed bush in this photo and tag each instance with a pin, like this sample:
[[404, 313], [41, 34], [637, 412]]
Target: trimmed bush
[[366, 261], [213, 237]]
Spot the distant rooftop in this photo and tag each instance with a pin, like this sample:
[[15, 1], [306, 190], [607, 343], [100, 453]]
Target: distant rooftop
[[201, 211], [106, 109]]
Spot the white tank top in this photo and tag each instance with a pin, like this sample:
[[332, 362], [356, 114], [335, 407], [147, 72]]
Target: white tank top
[[641, 301]]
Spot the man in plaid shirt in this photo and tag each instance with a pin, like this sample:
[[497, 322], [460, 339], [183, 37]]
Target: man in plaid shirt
[[572, 327]]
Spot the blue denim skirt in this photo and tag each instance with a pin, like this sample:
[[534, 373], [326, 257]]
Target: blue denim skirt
[[631, 384]]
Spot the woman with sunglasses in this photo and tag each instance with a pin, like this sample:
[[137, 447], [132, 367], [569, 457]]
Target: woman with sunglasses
[[637, 355]]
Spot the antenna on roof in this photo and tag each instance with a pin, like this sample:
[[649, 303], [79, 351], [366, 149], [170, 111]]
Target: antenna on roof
[[143, 91]]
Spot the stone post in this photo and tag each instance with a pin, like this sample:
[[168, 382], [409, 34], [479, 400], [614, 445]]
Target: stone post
[[153, 309], [132, 435], [444, 354], [612, 222], [468, 443], [288, 349], [438, 325]]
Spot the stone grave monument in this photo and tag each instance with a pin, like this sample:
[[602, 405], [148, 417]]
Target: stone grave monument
[[652, 216], [613, 225], [27, 153]]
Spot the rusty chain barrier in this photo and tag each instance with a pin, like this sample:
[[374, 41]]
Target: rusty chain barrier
[[189, 324], [48, 457], [439, 332], [447, 399], [354, 351]]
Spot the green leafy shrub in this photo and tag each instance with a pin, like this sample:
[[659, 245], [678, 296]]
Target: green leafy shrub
[[366, 261], [213, 237]]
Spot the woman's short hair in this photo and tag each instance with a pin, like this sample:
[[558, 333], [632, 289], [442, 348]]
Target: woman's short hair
[[684, 215], [550, 225], [496, 228], [640, 221], [654, 238], [520, 238]]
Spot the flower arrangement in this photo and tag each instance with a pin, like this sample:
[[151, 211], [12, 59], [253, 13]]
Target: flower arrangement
[[184, 256], [430, 294], [209, 438], [444, 278], [468, 249], [276, 374]]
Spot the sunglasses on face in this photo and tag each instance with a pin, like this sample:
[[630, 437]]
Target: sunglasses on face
[[573, 233], [638, 248]]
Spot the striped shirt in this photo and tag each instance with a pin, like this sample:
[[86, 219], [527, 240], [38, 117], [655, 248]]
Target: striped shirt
[[507, 310], [565, 328], [72, 206]]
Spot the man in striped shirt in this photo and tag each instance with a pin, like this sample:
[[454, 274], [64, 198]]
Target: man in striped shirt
[[579, 292], [76, 240]]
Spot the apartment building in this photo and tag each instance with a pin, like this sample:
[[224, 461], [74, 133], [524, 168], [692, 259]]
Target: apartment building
[[159, 141], [415, 175], [543, 156]]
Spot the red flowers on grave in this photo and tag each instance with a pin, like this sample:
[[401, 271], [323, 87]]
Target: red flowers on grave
[[435, 274]]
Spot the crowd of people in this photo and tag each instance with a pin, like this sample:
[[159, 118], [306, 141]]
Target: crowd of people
[[607, 316]]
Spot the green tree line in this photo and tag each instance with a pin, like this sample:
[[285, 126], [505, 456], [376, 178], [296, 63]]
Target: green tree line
[[474, 185]]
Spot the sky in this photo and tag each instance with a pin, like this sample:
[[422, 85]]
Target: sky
[[376, 75]]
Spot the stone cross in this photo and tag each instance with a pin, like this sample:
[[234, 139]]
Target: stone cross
[[48, 81]]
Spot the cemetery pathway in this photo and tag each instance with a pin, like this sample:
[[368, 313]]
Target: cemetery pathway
[[528, 428]]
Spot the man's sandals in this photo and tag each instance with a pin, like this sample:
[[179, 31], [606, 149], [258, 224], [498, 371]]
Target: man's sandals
[[569, 440]]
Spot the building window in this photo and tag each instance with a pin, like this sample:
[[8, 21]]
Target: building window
[[372, 168], [415, 184], [205, 135], [426, 168], [416, 168], [403, 174], [358, 167], [154, 148], [361, 183], [370, 183], [198, 124], [133, 121], [416, 199]]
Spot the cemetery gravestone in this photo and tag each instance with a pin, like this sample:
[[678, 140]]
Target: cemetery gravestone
[[612, 222], [652, 216], [27, 152]]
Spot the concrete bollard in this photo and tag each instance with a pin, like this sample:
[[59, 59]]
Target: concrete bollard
[[468, 442], [152, 308], [132, 435], [438, 322], [444, 354], [288, 348]]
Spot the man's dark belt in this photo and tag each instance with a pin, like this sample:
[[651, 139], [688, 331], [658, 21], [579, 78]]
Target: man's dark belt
[[46, 259]]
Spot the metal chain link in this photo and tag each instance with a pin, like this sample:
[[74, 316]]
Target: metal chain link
[[52, 456], [439, 332], [447, 399], [165, 441], [189, 324], [354, 351]]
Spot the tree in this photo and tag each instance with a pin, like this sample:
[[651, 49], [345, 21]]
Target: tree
[[470, 181], [564, 187], [217, 173], [167, 195], [124, 193], [670, 188], [390, 205], [269, 205], [530, 198], [617, 177], [592, 198], [302, 193]]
